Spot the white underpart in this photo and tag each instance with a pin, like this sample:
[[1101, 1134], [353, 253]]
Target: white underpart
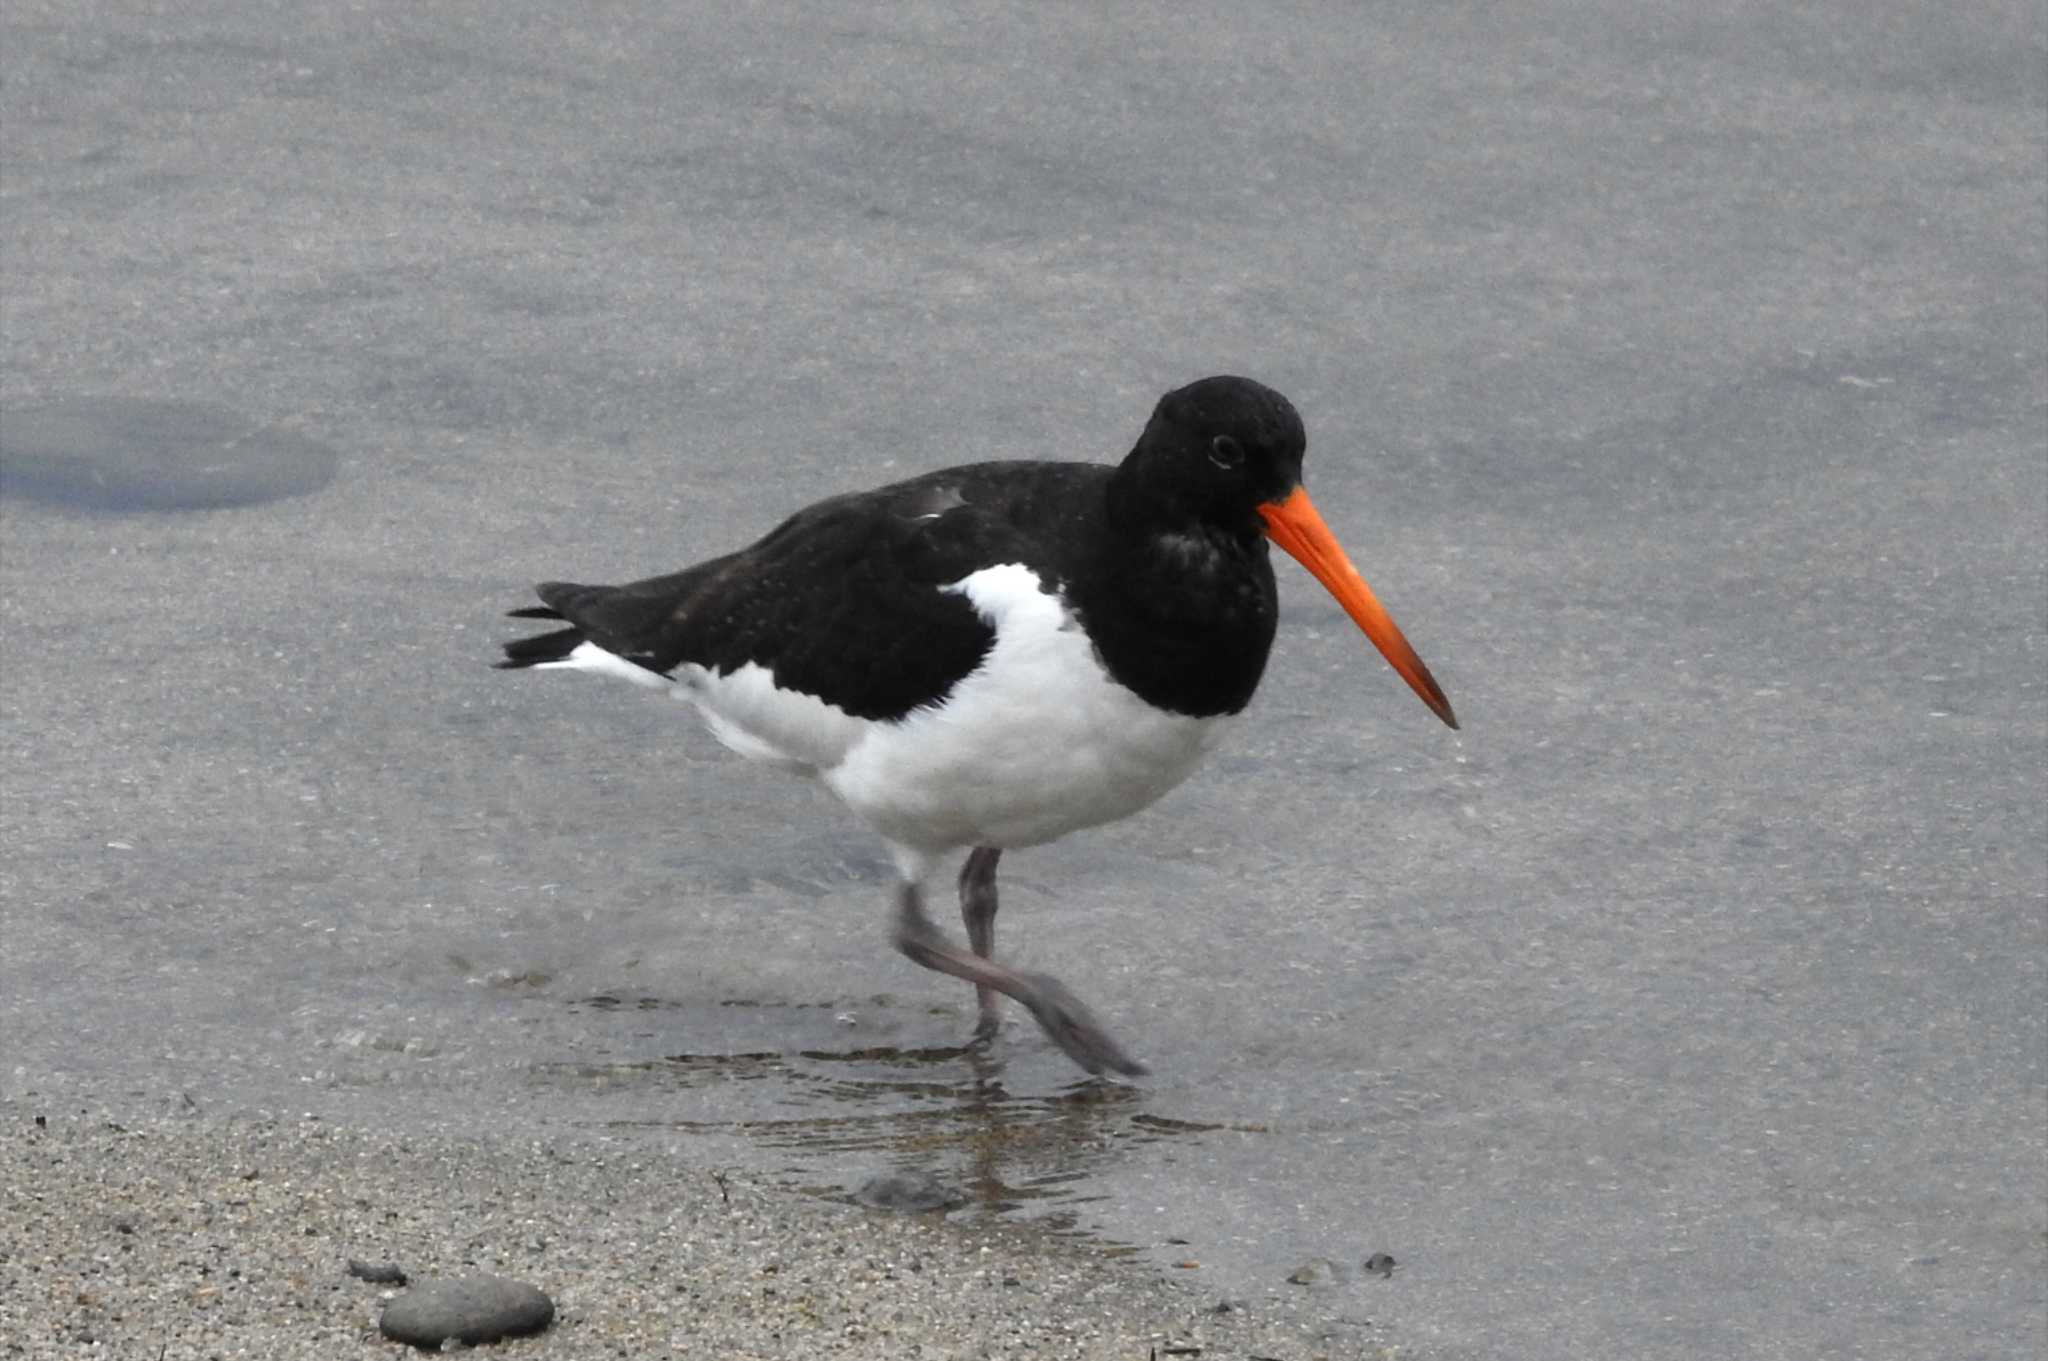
[[1036, 742], [760, 720], [744, 709]]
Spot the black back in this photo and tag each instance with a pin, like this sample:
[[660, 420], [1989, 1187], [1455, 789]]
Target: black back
[[1162, 558]]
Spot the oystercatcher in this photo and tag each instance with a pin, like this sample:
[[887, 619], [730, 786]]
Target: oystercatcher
[[995, 655]]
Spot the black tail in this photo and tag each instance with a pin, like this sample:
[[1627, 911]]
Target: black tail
[[548, 647], [626, 620]]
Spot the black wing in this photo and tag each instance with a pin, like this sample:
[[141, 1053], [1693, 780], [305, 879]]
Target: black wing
[[843, 600]]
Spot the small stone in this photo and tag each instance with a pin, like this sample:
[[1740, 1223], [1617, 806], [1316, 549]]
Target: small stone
[[1381, 1264], [470, 1309], [377, 1273], [916, 1192], [1316, 1271]]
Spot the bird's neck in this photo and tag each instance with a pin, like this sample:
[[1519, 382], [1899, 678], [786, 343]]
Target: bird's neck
[[1183, 611]]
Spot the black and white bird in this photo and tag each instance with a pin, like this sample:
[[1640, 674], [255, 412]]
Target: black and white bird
[[993, 656]]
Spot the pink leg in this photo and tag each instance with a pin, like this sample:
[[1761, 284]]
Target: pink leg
[[1070, 1025], [978, 910]]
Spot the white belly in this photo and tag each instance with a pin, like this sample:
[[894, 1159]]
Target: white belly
[[1036, 743]]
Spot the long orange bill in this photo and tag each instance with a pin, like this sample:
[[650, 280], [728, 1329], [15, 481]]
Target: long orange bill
[[1294, 524]]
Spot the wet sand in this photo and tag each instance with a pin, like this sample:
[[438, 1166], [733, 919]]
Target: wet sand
[[206, 1238]]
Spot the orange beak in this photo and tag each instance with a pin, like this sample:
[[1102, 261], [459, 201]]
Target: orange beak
[[1296, 527]]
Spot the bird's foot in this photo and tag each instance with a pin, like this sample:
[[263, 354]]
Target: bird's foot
[[1073, 1027]]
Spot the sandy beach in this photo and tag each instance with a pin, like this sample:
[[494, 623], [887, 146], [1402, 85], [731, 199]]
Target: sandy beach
[[209, 1238]]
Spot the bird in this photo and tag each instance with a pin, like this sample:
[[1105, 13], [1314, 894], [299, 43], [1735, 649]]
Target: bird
[[992, 656]]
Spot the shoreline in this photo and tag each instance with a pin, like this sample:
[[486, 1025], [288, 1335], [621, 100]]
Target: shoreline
[[230, 1237]]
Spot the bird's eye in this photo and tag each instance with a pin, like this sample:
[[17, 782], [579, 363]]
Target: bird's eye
[[1225, 452]]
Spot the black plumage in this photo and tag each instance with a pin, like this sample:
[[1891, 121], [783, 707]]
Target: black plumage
[[1161, 558]]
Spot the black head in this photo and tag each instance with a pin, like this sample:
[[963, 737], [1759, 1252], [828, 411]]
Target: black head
[[1213, 452]]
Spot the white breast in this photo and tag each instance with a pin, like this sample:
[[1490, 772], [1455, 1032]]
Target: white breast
[[1037, 742]]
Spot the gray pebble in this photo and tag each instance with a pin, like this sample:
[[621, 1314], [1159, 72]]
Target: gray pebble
[[916, 1192], [377, 1273], [471, 1309], [1316, 1271]]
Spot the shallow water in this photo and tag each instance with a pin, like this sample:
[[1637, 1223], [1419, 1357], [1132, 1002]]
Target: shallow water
[[123, 455]]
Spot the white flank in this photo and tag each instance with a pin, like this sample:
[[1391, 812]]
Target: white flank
[[760, 720], [745, 709], [1037, 742]]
